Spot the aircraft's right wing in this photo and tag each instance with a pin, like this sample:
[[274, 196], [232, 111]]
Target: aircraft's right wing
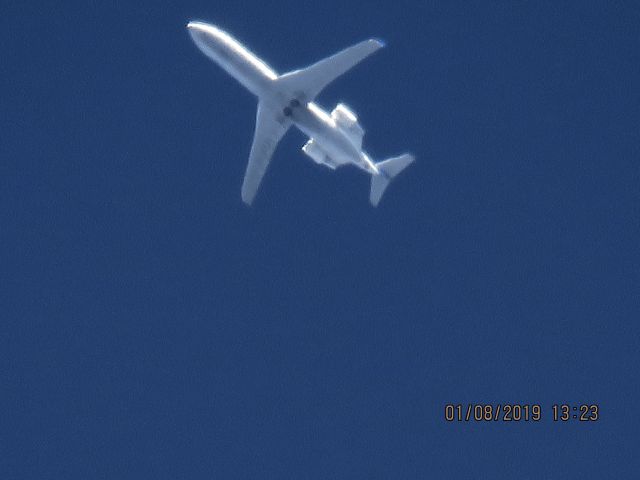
[[309, 82], [271, 125]]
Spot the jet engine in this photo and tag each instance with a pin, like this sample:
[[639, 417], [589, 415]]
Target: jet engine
[[347, 121], [311, 149], [343, 115]]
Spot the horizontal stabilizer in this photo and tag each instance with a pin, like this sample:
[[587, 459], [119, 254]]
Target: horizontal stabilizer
[[387, 170]]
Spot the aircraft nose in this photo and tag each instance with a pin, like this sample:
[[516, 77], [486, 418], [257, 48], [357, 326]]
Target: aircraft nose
[[195, 26], [201, 28], [205, 36], [198, 31]]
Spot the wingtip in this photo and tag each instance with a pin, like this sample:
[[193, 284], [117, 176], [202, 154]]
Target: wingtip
[[247, 198], [379, 42]]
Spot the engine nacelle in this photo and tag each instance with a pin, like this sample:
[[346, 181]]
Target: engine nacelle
[[343, 115], [311, 149], [347, 121]]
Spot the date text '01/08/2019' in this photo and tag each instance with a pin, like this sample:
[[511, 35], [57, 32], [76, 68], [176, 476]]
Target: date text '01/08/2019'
[[518, 412]]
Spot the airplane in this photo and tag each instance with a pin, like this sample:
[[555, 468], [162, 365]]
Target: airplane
[[335, 139]]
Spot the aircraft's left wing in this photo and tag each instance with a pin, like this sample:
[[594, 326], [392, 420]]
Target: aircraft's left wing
[[309, 82], [271, 125]]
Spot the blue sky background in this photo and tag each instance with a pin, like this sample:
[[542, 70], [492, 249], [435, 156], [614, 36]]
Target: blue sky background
[[152, 326]]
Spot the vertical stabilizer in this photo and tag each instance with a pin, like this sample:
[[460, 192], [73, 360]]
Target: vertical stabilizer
[[387, 170]]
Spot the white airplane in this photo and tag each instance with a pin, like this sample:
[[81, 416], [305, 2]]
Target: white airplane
[[285, 100]]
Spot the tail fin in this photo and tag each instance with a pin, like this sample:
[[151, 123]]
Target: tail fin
[[388, 169]]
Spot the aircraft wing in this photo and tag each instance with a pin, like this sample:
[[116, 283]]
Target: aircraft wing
[[271, 125], [309, 82]]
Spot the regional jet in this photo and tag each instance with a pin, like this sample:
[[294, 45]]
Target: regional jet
[[335, 139]]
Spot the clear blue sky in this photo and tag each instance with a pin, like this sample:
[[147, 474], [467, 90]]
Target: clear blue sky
[[152, 326]]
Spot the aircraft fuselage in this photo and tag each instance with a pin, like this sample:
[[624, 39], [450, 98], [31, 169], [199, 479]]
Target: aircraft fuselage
[[260, 79]]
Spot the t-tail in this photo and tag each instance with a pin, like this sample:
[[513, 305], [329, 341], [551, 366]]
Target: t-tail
[[387, 169]]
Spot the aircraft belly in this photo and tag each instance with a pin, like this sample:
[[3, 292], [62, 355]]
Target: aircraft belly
[[234, 58], [246, 73]]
